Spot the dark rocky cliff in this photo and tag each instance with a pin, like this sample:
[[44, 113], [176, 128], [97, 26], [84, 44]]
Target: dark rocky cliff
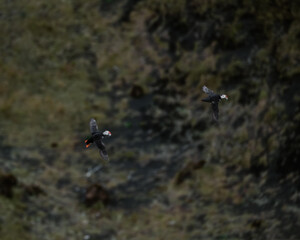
[[138, 67]]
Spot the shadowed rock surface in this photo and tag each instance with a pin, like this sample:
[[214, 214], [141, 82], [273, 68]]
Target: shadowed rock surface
[[7, 183], [138, 68]]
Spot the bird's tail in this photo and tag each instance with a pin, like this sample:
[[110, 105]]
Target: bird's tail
[[88, 142]]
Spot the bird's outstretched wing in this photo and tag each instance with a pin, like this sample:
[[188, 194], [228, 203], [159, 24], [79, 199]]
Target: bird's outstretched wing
[[102, 149], [104, 154], [93, 126], [215, 109], [207, 90]]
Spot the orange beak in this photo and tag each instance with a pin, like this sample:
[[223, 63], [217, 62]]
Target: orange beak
[[87, 145]]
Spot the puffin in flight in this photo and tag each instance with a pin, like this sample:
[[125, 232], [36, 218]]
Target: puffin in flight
[[214, 99], [97, 137]]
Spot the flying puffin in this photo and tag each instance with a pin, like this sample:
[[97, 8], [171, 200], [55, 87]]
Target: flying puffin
[[214, 99], [97, 138]]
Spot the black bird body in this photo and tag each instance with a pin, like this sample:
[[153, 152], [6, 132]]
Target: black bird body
[[97, 137], [214, 99]]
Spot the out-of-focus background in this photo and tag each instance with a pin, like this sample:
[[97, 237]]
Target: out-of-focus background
[[138, 67]]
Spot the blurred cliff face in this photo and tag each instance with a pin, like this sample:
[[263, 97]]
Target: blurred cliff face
[[138, 67], [63, 63]]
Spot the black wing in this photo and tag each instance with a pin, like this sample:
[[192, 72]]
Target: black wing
[[102, 149], [207, 90], [104, 154], [215, 109], [93, 126]]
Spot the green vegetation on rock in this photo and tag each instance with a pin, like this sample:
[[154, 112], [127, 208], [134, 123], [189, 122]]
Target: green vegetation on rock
[[138, 67]]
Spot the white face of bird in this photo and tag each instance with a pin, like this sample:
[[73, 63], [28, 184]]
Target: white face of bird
[[224, 97], [107, 133]]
